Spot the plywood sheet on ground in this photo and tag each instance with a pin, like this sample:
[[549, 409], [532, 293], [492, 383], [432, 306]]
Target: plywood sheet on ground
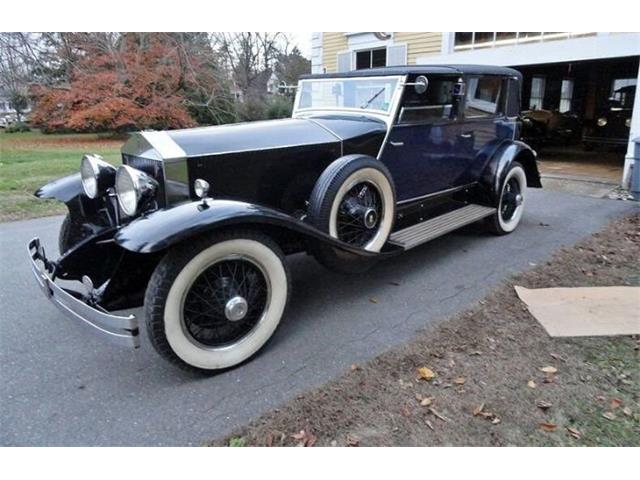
[[584, 311]]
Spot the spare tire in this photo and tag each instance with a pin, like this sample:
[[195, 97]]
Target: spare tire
[[354, 201]]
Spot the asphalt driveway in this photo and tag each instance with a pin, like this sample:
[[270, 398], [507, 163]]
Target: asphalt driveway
[[61, 386]]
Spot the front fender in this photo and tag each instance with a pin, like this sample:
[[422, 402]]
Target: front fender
[[164, 228], [63, 189], [498, 166], [69, 190]]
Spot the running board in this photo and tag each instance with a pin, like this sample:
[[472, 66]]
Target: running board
[[435, 227]]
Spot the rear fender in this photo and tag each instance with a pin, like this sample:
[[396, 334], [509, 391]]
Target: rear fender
[[494, 172], [168, 227]]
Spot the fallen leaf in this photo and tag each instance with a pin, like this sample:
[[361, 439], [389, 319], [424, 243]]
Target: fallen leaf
[[373, 300], [452, 362], [305, 438], [548, 426], [478, 410], [531, 384], [460, 381], [352, 441], [549, 369], [429, 424], [615, 403], [425, 402], [600, 398], [355, 367], [426, 373], [609, 415], [496, 420], [543, 404], [574, 433], [438, 415], [556, 356], [627, 411], [476, 352]]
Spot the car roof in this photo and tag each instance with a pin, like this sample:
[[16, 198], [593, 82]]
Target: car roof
[[421, 69]]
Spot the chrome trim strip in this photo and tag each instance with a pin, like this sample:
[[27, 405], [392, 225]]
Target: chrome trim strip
[[327, 129], [437, 194], [397, 97], [120, 330]]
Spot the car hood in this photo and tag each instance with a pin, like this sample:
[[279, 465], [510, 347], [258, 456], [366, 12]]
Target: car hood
[[251, 136]]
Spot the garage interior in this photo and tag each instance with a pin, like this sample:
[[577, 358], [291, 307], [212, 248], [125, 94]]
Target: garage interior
[[569, 98]]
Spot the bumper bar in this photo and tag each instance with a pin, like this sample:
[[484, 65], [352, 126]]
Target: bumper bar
[[120, 330]]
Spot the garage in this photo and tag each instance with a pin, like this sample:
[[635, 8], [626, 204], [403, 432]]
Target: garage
[[578, 117]]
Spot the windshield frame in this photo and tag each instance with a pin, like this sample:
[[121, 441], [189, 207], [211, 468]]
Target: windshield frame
[[395, 97]]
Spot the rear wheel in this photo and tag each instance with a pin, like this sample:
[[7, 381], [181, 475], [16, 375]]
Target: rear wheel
[[353, 201], [213, 303], [512, 199]]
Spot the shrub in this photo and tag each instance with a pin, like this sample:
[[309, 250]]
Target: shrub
[[17, 127], [279, 107]]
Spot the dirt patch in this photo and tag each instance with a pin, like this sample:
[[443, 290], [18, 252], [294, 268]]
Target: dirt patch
[[493, 376]]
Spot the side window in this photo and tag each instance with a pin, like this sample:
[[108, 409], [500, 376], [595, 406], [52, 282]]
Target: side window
[[484, 97], [435, 105]]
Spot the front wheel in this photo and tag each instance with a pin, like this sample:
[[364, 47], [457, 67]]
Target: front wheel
[[511, 204], [213, 303]]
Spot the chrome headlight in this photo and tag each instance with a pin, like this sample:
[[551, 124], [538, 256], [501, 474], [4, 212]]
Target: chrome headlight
[[132, 186], [602, 121], [97, 175]]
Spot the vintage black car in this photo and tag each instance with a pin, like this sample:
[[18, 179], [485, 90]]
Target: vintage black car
[[195, 224], [547, 128], [613, 122]]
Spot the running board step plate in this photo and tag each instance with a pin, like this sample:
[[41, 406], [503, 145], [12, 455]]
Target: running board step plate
[[435, 227]]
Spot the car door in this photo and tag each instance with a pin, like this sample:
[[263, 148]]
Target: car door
[[484, 123], [421, 151]]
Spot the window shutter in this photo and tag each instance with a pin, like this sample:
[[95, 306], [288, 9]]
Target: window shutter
[[396, 55], [344, 62]]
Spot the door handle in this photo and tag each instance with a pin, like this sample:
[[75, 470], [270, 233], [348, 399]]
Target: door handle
[[397, 144], [466, 135]]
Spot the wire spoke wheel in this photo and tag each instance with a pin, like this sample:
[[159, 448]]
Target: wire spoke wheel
[[511, 199], [359, 214], [225, 302]]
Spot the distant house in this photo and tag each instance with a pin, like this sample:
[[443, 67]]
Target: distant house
[[6, 108]]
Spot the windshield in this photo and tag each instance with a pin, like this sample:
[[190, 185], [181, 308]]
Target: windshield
[[371, 94]]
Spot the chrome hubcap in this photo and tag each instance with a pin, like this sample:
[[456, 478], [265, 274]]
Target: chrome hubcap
[[519, 200], [236, 309], [370, 218]]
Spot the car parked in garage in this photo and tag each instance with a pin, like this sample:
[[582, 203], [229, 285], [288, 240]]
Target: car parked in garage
[[195, 224], [613, 122]]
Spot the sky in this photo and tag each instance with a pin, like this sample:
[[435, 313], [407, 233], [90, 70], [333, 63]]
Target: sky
[[303, 41]]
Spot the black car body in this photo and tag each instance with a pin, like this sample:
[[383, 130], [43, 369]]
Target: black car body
[[427, 149], [613, 121]]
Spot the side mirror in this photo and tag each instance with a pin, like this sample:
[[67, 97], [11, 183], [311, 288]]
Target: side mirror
[[420, 85]]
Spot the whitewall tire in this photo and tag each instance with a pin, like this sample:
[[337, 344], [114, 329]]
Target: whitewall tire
[[512, 200], [215, 302]]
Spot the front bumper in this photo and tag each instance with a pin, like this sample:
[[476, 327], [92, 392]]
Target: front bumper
[[120, 330]]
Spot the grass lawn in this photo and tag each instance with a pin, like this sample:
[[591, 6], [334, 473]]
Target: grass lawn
[[29, 160]]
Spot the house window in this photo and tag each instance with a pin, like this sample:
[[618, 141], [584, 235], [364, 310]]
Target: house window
[[537, 93], [371, 58], [473, 40], [566, 95]]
